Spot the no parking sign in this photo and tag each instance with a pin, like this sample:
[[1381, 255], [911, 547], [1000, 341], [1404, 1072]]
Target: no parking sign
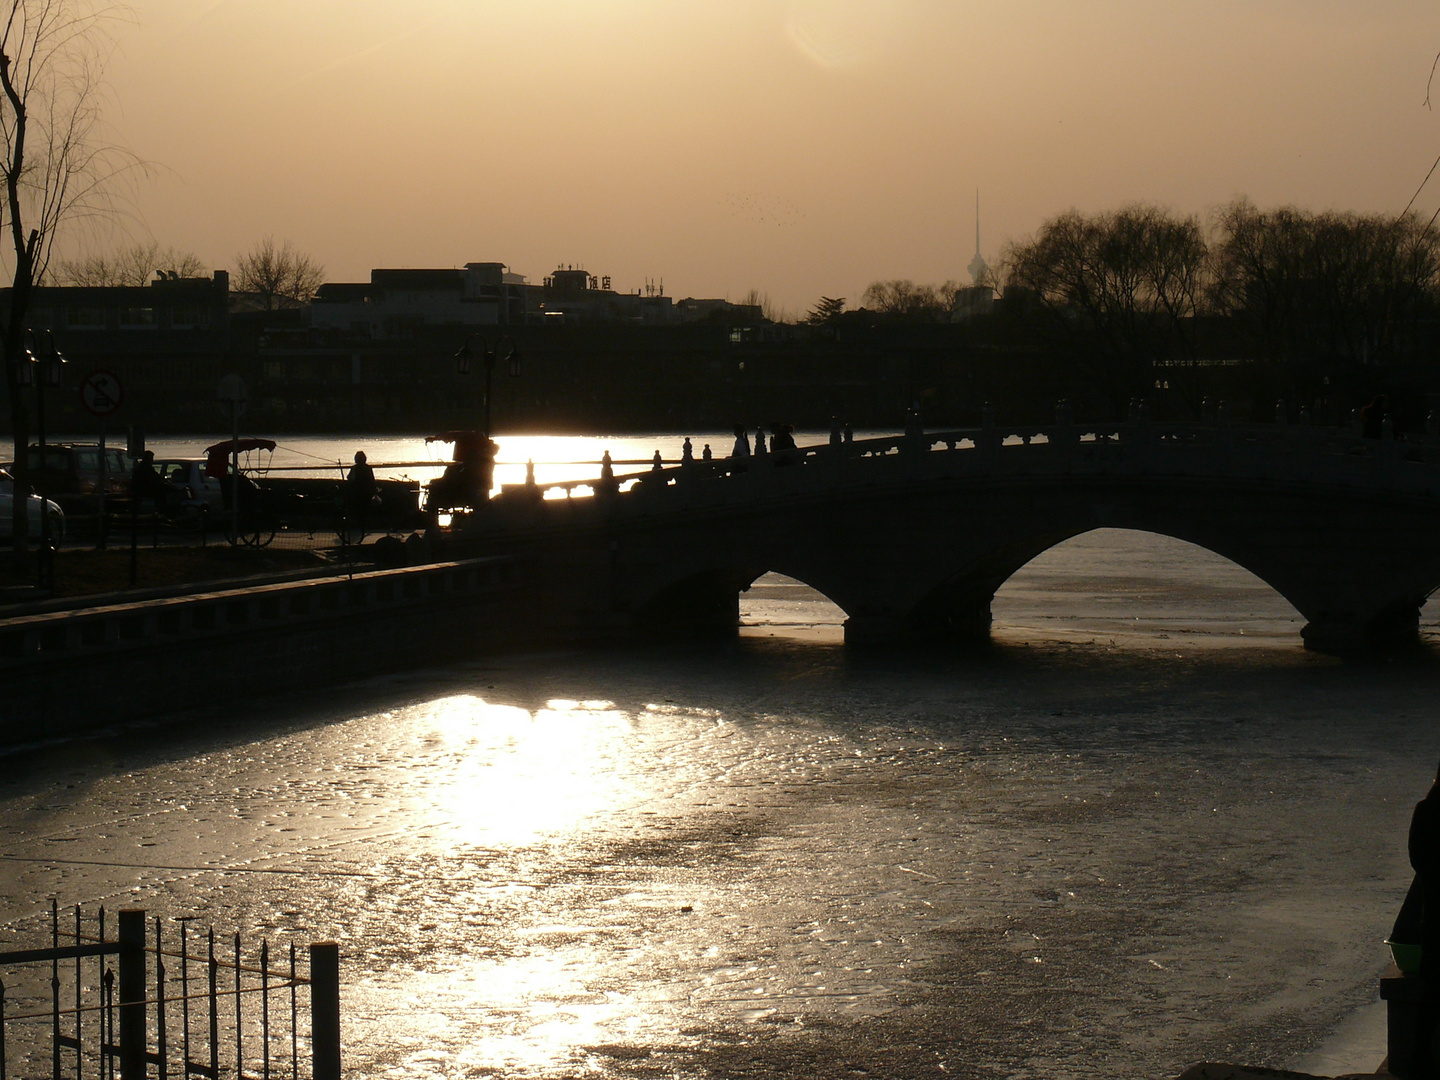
[[101, 392]]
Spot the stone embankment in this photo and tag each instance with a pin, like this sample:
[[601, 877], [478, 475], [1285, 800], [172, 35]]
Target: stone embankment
[[67, 668]]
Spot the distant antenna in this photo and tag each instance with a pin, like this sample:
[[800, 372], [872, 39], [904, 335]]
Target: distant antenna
[[978, 267]]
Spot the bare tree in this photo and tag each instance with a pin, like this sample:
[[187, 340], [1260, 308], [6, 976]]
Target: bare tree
[[277, 277], [132, 266], [760, 301], [903, 299], [55, 164]]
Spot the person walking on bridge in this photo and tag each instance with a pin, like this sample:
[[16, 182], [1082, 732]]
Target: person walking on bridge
[[740, 452]]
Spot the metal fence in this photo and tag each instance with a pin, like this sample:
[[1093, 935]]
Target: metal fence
[[203, 1007], [148, 529]]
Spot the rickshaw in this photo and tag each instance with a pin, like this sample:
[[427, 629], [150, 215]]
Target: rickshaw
[[257, 519]]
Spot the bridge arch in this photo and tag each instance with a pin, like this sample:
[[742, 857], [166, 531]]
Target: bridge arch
[[1139, 580], [706, 601]]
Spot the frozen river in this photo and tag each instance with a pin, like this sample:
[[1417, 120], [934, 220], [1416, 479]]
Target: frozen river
[[1143, 829]]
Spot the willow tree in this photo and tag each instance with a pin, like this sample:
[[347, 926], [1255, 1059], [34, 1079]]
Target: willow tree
[[56, 166], [1118, 290]]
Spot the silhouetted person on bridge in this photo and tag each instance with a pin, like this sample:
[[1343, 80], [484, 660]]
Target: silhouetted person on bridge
[[782, 445], [607, 484], [1372, 417], [740, 452], [1425, 858], [760, 450]]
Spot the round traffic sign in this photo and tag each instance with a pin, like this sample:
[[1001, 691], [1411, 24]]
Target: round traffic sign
[[232, 396], [101, 392]]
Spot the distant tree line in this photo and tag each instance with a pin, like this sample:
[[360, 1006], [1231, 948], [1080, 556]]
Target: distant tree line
[[1139, 291], [272, 276], [1141, 299]]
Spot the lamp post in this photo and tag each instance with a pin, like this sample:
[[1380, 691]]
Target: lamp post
[[42, 370], [489, 356]]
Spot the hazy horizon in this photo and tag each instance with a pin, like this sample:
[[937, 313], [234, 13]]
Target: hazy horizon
[[800, 148]]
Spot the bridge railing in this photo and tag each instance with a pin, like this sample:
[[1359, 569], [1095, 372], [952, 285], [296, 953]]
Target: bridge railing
[[1294, 452]]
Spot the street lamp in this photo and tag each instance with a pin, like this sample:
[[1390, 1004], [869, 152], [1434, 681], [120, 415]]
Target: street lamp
[[47, 368], [489, 355]]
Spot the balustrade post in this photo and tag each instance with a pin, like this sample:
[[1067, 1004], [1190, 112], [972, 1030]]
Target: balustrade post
[[132, 994]]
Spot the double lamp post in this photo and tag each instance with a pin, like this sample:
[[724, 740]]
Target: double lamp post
[[489, 355], [40, 366]]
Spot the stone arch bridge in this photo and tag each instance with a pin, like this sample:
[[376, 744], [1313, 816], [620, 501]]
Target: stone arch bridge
[[912, 536]]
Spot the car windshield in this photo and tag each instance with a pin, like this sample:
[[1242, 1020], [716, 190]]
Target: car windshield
[[59, 460]]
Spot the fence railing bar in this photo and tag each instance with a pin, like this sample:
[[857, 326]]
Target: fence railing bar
[[79, 1000], [107, 1018], [214, 1008], [169, 1000], [239, 1018], [107, 1023], [294, 1027], [161, 1042], [264, 1009], [184, 996], [62, 952], [55, 984]]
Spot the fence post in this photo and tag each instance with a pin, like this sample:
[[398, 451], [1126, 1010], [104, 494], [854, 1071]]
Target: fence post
[[325, 1010], [132, 994]]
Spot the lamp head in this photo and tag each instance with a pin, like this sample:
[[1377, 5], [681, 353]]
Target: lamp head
[[25, 372], [52, 361]]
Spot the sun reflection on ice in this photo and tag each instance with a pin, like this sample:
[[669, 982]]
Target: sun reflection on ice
[[511, 776]]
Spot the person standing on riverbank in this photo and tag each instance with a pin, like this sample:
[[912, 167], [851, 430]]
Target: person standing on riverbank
[[360, 492], [1425, 858]]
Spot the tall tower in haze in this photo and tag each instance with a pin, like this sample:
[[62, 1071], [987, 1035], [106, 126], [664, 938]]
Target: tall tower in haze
[[978, 267]]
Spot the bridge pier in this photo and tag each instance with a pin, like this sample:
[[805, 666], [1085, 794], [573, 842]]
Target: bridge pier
[[1397, 625], [703, 606], [962, 623]]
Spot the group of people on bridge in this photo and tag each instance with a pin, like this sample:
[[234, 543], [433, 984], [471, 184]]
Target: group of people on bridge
[[782, 445]]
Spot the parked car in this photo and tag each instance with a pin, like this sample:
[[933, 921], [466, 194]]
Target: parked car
[[70, 474], [34, 523], [192, 487]]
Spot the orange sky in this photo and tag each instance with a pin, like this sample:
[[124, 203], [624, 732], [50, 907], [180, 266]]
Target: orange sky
[[797, 147]]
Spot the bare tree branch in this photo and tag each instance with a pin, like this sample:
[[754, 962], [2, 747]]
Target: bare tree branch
[[277, 277]]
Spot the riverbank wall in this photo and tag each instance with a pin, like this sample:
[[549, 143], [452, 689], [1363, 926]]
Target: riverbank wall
[[67, 670]]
